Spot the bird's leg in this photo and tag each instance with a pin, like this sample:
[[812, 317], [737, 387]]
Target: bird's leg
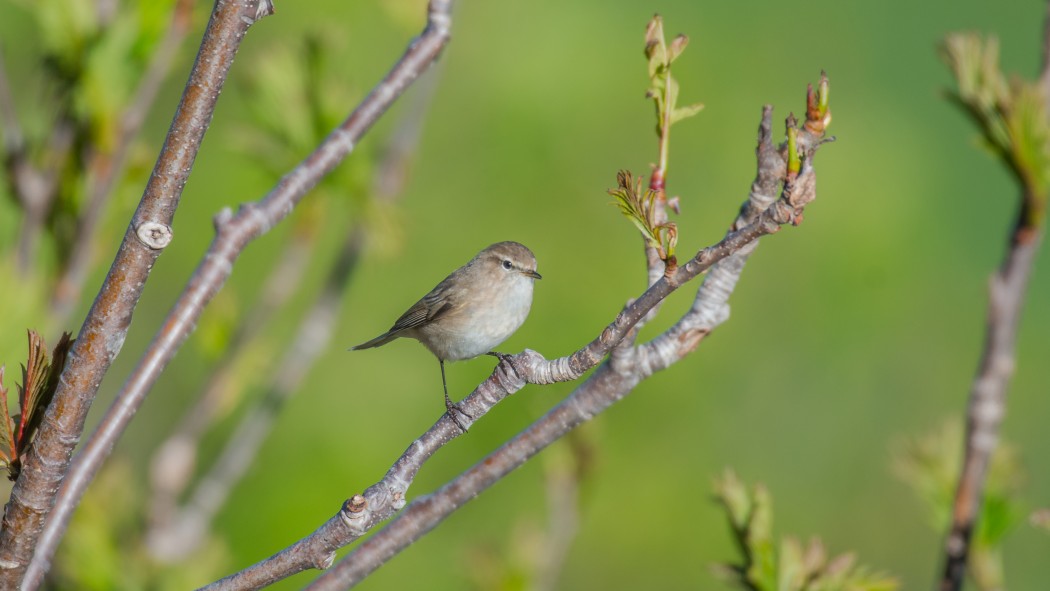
[[454, 411]]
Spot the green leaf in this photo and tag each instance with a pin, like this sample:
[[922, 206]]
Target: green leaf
[[676, 48], [789, 567], [686, 112], [638, 205]]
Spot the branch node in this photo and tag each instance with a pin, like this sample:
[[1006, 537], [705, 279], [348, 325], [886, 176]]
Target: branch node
[[154, 235], [222, 218], [355, 504]]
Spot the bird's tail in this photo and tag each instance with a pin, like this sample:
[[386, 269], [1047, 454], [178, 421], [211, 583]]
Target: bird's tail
[[379, 341]]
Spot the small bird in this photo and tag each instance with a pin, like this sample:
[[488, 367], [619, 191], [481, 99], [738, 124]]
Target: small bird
[[471, 311]]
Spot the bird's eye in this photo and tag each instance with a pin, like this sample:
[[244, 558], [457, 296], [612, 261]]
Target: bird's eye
[[507, 264]]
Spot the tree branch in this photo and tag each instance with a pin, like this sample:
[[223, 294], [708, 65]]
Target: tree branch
[[609, 383], [987, 403], [233, 233], [106, 326]]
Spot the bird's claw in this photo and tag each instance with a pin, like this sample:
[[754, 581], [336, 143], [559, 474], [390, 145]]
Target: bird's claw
[[460, 417]]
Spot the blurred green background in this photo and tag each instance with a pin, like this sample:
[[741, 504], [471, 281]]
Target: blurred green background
[[857, 328]]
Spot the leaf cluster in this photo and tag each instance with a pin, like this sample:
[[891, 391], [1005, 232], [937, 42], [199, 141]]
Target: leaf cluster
[[663, 88], [39, 381], [1012, 116], [791, 565], [930, 464], [639, 204]]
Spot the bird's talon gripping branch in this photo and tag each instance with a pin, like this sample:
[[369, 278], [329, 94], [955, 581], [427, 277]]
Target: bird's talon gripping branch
[[460, 417]]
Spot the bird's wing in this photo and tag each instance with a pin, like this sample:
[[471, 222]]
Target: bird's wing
[[433, 305]]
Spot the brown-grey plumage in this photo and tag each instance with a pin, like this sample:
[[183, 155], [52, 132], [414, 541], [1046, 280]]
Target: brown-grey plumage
[[473, 310]]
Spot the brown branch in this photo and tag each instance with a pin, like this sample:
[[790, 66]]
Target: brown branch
[[608, 384], [987, 404], [105, 169], [233, 233], [986, 407], [106, 326]]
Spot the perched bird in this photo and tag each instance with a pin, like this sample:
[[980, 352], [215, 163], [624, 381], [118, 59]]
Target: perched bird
[[472, 310]]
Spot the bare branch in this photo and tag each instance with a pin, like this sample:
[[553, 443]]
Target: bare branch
[[987, 405], [105, 169], [103, 332], [233, 233], [1007, 289]]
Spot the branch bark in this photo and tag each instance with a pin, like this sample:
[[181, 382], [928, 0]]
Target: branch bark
[[106, 325], [987, 403], [233, 233]]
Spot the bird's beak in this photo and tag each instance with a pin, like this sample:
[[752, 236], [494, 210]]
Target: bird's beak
[[532, 274]]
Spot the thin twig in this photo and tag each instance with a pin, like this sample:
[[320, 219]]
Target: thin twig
[[106, 326], [608, 384], [987, 404], [233, 233], [38, 186], [105, 169], [562, 484]]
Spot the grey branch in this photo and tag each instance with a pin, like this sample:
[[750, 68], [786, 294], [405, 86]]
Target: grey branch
[[627, 367], [987, 404], [233, 233], [106, 325]]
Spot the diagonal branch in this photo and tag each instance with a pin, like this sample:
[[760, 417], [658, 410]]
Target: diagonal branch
[[233, 233], [106, 325], [607, 385]]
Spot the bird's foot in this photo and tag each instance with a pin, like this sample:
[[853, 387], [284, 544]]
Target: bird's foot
[[460, 417]]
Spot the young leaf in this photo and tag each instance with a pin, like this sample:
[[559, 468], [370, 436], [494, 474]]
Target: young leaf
[[39, 381], [638, 204], [7, 429]]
